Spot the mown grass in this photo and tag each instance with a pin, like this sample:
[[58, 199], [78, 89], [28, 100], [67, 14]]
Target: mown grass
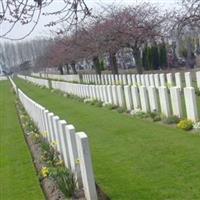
[[18, 179], [132, 158]]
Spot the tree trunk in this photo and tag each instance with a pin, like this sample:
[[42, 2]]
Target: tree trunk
[[96, 65], [113, 63], [60, 68], [73, 67], [67, 67], [189, 54], [136, 55]]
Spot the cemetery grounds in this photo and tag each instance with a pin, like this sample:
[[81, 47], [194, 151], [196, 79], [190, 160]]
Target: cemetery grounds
[[132, 158]]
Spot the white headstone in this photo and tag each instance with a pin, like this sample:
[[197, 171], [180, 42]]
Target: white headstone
[[64, 145], [144, 98], [124, 79], [188, 79], [120, 95], [114, 94], [110, 96], [143, 79], [86, 166], [129, 79], [134, 82], [73, 152], [164, 101], [112, 79], [116, 79], [153, 98], [147, 81], [191, 104], [170, 82], [198, 79], [162, 80], [151, 79], [135, 97], [157, 80], [128, 97], [175, 94], [138, 79]]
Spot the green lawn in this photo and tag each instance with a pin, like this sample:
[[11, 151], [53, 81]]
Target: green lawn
[[132, 158], [18, 179]]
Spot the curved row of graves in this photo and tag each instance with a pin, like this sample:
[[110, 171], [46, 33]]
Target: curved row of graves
[[3, 78], [155, 80], [147, 98], [73, 147]]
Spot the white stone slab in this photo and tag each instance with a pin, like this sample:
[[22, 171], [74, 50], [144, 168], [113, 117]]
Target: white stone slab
[[86, 166], [170, 81], [175, 94], [129, 79], [191, 104], [120, 96], [164, 101], [133, 77], [135, 97], [157, 80], [128, 97], [110, 96], [114, 94], [162, 80], [151, 79], [153, 98], [198, 79], [188, 79], [144, 99]]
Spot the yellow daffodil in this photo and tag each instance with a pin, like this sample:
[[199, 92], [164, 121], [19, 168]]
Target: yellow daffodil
[[44, 171]]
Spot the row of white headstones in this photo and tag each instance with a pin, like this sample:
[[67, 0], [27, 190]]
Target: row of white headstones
[[37, 81], [73, 147], [166, 100], [155, 80], [133, 98], [3, 78], [68, 77]]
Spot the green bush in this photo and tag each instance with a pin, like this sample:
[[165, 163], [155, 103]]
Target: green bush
[[171, 120], [197, 91], [142, 115], [185, 124], [49, 154], [121, 110], [155, 116], [98, 103], [65, 180], [111, 106]]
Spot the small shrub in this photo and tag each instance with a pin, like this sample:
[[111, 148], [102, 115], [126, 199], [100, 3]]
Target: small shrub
[[121, 110], [155, 116], [36, 138], [93, 102], [98, 103], [196, 125], [141, 115], [44, 172], [197, 91], [49, 154], [87, 100], [185, 124], [171, 120], [65, 180], [110, 106]]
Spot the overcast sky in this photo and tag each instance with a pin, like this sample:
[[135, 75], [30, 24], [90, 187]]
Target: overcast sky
[[40, 30]]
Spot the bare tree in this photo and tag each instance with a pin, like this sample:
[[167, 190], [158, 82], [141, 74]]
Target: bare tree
[[15, 12]]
